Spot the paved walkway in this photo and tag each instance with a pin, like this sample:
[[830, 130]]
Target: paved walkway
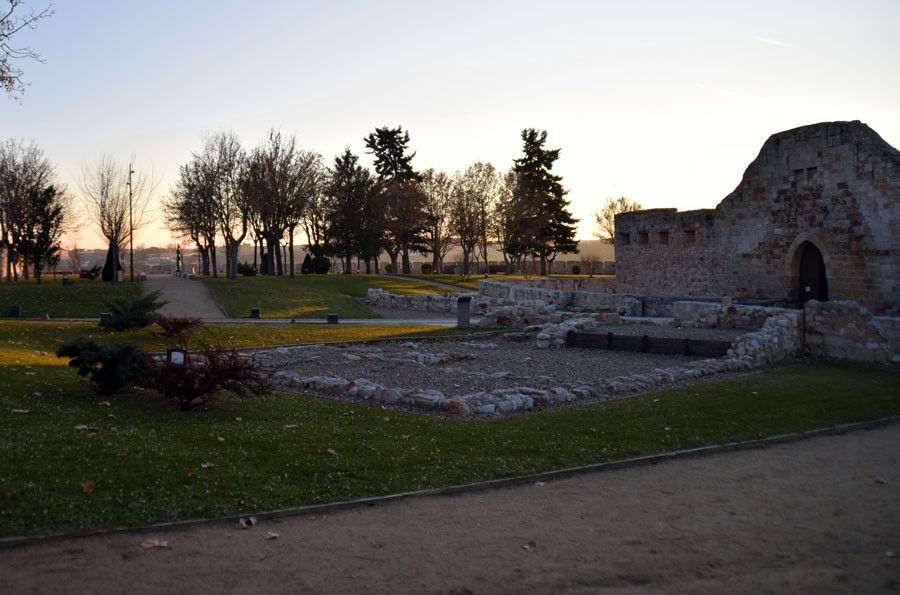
[[814, 516], [184, 297]]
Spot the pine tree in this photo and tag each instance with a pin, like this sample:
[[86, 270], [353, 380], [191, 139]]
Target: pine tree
[[42, 221], [541, 224], [405, 219], [349, 197]]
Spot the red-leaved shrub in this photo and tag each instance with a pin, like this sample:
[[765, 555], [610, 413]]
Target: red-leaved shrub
[[207, 372]]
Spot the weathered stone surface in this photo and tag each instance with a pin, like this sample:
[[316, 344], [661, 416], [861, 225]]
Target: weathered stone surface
[[844, 330], [835, 185]]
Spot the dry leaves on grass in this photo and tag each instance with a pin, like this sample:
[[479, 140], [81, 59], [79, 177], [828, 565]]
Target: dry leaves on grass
[[207, 465], [331, 451], [22, 411], [88, 486]]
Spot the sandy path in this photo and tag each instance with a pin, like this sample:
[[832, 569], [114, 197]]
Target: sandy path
[[815, 516], [184, 297]]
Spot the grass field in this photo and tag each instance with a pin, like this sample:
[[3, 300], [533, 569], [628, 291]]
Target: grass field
[[84, 299], [68, 464], [309, 296], [471, 282], [25, 340]]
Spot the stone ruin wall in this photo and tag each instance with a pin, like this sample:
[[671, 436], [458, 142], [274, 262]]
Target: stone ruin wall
[[836, 185]]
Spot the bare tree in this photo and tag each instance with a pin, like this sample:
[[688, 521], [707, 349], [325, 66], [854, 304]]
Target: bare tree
[[224, 164], [190, 210], [606, 216], [438, 189], [502, 218], [278, 186], [24, 172], [12, 21], [106, 202], [475, 192]]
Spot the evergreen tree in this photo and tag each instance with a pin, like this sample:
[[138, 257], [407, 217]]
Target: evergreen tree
[[541, 224], [349, 199], [405, 217], [42, 220]]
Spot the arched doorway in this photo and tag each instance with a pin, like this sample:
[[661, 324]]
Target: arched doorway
[[813, 280]]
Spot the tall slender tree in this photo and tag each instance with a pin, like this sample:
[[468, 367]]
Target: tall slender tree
[[42, 227], [543, 226], [438, 189], [405, 219], [349, 194]]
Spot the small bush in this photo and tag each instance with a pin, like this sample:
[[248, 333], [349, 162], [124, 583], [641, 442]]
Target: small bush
[[307, 267], [388, 269], [576, 269], [131, 313], [426, 268], [246, 269], [204, 374], [321, 265], [112, 367], [177, 327]]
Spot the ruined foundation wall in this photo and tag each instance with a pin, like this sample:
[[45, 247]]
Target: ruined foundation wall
[[835, 185]]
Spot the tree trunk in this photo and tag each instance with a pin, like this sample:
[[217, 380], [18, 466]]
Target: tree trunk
[[349, 265], [436, 261], [543, 266], [291, 250], [368, 266], [272, 246], [212, 254], [406, 267], [465, 263], [393, 256]]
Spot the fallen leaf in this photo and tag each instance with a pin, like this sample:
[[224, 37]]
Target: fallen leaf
[[207, 465], [331, 451], [104, 403], [539, 484], [154, 543], [21, 411], [272, 535], [246, 522], [88, 486], [531, 545], [290, 426], [220, 439]]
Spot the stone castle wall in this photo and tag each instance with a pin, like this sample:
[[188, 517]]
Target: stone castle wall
[[835, 185]]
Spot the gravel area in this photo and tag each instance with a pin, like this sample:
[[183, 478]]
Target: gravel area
[[463, 367]]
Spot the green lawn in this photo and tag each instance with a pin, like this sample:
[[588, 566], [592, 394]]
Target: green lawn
[[149, 462], [470, 283], [309, 296], [24, 340], [84, 299]]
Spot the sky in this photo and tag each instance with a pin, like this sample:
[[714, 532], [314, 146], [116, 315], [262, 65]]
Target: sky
[[664, 102]]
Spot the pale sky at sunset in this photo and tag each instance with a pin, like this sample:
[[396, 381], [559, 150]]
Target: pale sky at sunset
[[666, 102]]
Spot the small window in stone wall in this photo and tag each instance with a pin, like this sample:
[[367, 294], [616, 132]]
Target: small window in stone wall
[[663, 237], [643, 237], [626, 238], [690, 236]]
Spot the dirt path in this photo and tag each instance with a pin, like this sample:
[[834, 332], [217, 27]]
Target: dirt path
[[815, 516], [185, 297]]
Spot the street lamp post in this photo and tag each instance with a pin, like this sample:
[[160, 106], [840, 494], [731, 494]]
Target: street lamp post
[[130, 224]]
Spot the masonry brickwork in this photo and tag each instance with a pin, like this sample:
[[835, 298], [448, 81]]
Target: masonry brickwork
[[835, 186]]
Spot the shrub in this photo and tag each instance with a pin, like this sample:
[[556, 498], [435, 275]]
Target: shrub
[[427, 268], [131, 313], [388, 269], [177, 327], [112, 367], [246, 269], [321, 265], [307, 267], [576, 269], [204, 374]]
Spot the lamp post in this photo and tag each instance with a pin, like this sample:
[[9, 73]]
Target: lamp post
[[130, 225]]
